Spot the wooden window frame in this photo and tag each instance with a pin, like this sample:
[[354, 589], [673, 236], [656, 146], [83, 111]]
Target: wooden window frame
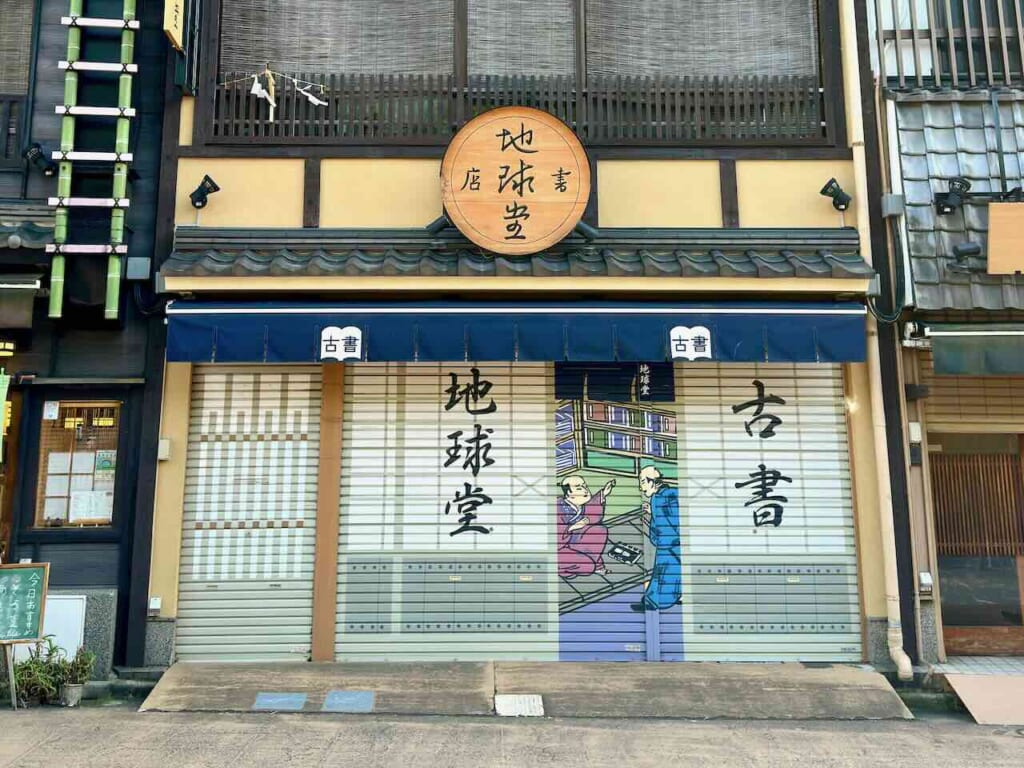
[[829, 72], [38, 508]]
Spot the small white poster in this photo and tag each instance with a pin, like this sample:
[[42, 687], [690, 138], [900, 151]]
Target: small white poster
[[55, 509], [83, 463], [690, 343], [341, 343], [91, 506], [51, 410], [58, 463], [81, 482], [56, 485]]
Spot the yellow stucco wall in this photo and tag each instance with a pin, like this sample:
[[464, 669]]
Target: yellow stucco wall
[[865, 479], [370, 192], [253, 192], [658, 193], [170, 489], [185, 121], [786, 193]]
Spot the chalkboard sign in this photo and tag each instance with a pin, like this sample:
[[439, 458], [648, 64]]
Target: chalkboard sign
[[22, 601]]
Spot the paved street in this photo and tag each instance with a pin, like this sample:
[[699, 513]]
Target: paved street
[[118, 737]]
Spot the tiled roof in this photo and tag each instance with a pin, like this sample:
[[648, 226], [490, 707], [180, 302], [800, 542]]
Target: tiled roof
[[622, 253], [25, 224], [940, 139]]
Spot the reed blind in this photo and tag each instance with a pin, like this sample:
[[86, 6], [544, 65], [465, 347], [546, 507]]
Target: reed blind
[[644, 38], [342, 36], [16, 47], [521, 37]]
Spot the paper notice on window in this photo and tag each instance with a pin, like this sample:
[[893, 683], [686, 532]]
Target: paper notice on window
[[51, 410], [55, 509], [102, 480], [83, 463], [58, 463], [56, 485], [81, 483], [92, 506], [106, 460]]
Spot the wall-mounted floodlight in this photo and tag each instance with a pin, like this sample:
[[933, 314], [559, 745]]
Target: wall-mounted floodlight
[[200, 196], [35, 155], [948, 202], [840, 200]]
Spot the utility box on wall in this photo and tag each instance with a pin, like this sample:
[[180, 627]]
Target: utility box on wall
[[1005, 238]]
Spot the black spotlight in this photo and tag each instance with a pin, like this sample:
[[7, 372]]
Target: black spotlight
[[840, 200], [947, 202], [964, 251], [206, 188], [35, 155]]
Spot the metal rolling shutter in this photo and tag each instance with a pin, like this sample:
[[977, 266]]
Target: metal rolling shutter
[[407, 588], [246, 578], [766, 593]]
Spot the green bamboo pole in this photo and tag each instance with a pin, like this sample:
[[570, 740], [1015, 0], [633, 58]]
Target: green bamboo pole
[[120, 183], [113, 287], [67, 144], [56, 285]]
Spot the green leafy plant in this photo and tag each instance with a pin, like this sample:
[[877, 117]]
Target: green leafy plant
[[40, 676], [47, 669], [78, 670]]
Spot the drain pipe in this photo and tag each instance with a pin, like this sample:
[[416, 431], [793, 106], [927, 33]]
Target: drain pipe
[[855, 126]]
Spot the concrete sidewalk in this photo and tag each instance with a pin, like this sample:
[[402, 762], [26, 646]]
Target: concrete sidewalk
[[121, 738], [582, 690]]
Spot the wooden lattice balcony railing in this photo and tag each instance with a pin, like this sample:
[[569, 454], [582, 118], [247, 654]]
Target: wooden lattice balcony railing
[[428, 109], [950, 43]]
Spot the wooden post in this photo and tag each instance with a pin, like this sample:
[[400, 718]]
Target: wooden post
[[325, 561], [9, 655]]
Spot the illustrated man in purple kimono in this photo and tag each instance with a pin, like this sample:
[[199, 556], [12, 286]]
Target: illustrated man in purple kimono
[[661, 510], [582, 535]]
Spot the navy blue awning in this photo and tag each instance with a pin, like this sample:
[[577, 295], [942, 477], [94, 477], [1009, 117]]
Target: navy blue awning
[[240, 332]]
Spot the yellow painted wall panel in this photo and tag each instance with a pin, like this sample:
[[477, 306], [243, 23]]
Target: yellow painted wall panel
[[658, 193], [786, 193], [371, 192], [185, 120], [170, 488], [254, 192]]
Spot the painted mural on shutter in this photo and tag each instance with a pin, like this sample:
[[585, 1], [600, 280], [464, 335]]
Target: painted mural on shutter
[[754, 589], [246, 580], [446, 536], [503, 511]]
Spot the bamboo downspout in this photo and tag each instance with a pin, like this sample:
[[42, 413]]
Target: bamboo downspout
[[855, 119]]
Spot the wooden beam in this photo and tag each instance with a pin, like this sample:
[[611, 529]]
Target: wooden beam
[[325, 563], [311, 193], [730, 194]]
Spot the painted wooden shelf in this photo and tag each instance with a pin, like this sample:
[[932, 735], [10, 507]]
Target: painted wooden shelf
[[95, 23], [113, 157], [63, 109], [85, 249], [87, 202], [98, 66]]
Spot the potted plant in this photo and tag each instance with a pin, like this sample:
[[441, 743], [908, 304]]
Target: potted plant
[[39, 676], [76, 673]]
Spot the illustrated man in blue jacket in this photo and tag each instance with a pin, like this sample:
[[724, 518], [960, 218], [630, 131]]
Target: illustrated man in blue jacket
[[661, 509]]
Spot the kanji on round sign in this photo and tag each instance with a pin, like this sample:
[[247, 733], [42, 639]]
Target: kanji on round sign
[[515, 180]]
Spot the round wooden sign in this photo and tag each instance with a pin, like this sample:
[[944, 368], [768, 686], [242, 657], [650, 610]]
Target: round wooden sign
[[515, 180]]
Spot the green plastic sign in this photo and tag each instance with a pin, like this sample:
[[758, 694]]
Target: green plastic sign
[[22, 601]]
